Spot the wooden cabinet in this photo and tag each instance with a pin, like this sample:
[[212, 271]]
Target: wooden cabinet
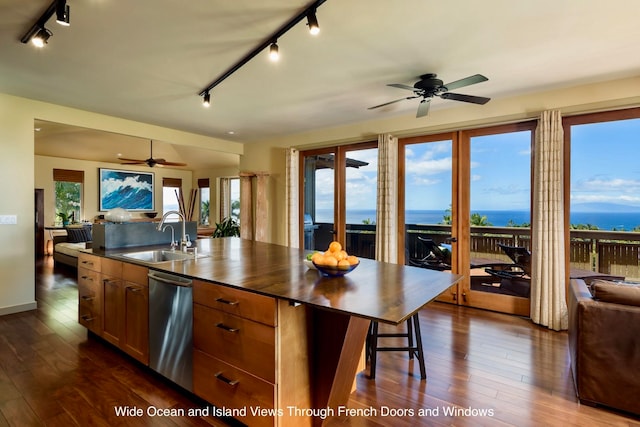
[[134, 338], [114, 303], [89, 293], [243, 342]]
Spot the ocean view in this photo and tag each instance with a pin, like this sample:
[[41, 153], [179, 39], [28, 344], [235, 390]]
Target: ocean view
[[603, 220]]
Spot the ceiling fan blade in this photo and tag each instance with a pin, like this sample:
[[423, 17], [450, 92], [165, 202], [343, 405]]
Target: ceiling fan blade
[[471, 80], [401, 86], [423, 108], [465, 98], [132, 163], [131, 160], [165, 163], [392, 102]]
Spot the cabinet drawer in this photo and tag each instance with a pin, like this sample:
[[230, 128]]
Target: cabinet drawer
[[135, 273], [90, 315], [89, 279], [111, 267], [225, 386], [241, 303], [90, 262], [243, 343]]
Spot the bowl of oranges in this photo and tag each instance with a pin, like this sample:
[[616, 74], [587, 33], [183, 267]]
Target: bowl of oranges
[[335, 261]]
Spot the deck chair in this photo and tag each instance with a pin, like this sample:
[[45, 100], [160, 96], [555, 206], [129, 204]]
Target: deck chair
[[435, 258], [521, 267]]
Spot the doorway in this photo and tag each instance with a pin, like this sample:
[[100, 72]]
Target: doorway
[[39, 223]]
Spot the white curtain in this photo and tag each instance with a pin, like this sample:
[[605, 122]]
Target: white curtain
[[292, 191], [387, 203], [548, 290]]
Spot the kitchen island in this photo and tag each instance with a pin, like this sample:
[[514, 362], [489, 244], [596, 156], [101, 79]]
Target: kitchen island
[[263, 320]]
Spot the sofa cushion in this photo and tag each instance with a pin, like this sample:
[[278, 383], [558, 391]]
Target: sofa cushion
[[627, 293], [78, 234]]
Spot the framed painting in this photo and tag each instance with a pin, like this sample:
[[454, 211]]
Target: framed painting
[[128, 190]]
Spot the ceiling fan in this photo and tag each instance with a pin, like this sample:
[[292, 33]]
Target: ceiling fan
[[151, 162], [429, 86]]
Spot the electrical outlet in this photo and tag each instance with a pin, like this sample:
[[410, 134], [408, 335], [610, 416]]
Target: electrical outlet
[[8, 219]]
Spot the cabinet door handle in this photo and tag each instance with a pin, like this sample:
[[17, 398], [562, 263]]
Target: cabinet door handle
[[87, 297], [133, 289], [227, 328], [87, 278], [226, 380], [226, 301], [87, 318], [88, 263]]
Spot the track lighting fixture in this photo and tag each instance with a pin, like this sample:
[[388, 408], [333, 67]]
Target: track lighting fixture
[[63, 11], [271, 42], [41, 38], [38, 34], [274, 55], [312, 22], [206, 101]]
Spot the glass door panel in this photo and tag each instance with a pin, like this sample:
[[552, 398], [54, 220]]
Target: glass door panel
[[319, 200], [361, 175], [500, 221], [428, 205]]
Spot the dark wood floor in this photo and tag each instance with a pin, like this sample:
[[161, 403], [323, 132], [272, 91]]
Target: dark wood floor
[[52, 374]]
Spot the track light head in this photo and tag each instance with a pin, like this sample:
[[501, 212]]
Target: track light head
[[312, 22], [206, 100], [63, 10], [274, 55], [41, 38]]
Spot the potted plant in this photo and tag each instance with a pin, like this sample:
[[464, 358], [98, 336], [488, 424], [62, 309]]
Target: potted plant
[[65, 217], [228, 227]]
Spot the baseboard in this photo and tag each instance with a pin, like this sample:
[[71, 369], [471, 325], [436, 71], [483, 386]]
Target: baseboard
[[18, 308]]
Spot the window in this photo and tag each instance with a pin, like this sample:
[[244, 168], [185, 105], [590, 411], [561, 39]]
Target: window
[[230, 198], [203, 185], [171, 194], [68, 195], [604, 206]]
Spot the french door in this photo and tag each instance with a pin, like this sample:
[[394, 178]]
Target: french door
[[339, 198], [463, 197]]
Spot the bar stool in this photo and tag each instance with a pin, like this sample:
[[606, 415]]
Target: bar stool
[[414, 344]]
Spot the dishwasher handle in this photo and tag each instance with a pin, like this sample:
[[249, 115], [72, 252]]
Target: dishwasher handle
[[185, 283]]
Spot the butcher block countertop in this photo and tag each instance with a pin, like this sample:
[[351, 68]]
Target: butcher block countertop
[[375, 290]]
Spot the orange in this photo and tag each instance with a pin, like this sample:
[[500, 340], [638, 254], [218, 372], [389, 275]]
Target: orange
[[352, 260], [339, 255], [343, 264], [316, 256], [335, 246], [330, 261]]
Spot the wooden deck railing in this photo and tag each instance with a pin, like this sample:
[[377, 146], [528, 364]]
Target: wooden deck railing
[[608, 252]]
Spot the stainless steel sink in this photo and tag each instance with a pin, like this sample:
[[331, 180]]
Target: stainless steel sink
[[157, 256]]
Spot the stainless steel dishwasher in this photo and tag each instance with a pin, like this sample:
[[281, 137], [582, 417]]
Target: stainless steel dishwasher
[[171, 327]]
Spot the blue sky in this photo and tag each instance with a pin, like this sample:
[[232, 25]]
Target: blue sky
[[605, 169]]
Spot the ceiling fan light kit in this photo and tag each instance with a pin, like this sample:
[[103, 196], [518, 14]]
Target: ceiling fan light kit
[[429, 86]]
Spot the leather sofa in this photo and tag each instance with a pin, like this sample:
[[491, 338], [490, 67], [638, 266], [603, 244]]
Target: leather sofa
[[604, 342]]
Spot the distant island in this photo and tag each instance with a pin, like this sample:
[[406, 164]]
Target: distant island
[[604, 207]]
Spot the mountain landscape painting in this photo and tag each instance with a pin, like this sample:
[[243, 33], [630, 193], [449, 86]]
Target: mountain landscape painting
[[128, 190]]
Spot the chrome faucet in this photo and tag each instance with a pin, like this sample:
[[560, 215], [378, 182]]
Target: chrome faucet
[[184, 239], [173, 238]]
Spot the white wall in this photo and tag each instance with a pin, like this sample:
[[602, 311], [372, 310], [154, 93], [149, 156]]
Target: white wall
[[17, 174]]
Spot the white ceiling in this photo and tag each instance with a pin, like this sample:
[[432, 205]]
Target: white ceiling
[[147, 60]]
